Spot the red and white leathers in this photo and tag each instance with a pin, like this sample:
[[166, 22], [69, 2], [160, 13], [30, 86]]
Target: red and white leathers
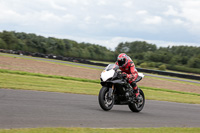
[[129, 69]]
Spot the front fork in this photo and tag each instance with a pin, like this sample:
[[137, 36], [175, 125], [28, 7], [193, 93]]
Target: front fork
[[110, 93]]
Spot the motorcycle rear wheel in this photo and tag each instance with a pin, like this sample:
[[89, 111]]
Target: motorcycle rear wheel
[[105, 102], [137, 106]]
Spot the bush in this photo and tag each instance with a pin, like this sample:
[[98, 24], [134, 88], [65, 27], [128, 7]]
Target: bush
[[151, 64], [162, 67], [183, 69], [144, 65], [194, 62], [137, 62]]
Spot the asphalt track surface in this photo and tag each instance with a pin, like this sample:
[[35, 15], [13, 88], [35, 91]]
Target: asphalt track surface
[[97, 67], [31, 109]]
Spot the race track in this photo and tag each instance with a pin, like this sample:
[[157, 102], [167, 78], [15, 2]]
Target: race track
[[30, 109]]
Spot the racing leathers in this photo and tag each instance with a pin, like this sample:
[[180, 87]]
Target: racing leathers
[[131, 74]]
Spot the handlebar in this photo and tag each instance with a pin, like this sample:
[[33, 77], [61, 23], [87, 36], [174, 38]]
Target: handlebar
[[120, 75]]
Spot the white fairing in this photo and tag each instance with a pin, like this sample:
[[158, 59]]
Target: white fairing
[[105, 75], [141, 75]]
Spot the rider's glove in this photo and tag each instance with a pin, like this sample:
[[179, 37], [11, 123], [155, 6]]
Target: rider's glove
[[124, 75], [130, 77]]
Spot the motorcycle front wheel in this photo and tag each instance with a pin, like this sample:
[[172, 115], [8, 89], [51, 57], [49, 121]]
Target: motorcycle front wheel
[[138, 106], [105, 102]]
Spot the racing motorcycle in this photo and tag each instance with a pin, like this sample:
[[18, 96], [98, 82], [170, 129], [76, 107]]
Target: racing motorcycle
[[117, 91]]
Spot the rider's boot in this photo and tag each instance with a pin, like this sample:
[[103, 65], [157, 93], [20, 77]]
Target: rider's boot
[[136, 91], [137, 94]]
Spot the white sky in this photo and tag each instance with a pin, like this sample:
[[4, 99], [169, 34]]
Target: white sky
[[106, 22]]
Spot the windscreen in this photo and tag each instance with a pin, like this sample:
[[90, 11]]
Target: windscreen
[[111, 66]]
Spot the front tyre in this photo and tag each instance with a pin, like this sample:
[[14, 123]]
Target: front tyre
[[138, 106], [105, 102]]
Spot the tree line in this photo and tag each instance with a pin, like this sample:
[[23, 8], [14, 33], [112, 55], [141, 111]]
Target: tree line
[[180, 58], [63, 47]]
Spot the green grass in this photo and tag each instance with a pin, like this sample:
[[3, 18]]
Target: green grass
[[30, 82], [40, 82], [97, 130]]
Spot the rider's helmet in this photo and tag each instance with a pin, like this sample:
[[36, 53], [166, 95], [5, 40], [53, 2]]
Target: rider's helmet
[[122, 60]]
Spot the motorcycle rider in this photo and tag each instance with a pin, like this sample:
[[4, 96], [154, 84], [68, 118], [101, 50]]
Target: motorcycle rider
[[129, 71]]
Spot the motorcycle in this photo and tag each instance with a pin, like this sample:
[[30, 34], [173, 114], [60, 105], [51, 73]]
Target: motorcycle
[[117, 91]]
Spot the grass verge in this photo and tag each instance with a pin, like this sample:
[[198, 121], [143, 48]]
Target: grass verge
[[96, 130], [52, 84], [41, 82]]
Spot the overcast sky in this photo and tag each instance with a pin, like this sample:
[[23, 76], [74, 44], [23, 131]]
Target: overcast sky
[[106, 22]]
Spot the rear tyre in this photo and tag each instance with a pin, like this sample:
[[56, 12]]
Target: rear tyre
[[138, 106], [105, 102]]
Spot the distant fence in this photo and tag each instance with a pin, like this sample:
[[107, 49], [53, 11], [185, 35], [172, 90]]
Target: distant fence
[[187, 76], [78, 60]]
